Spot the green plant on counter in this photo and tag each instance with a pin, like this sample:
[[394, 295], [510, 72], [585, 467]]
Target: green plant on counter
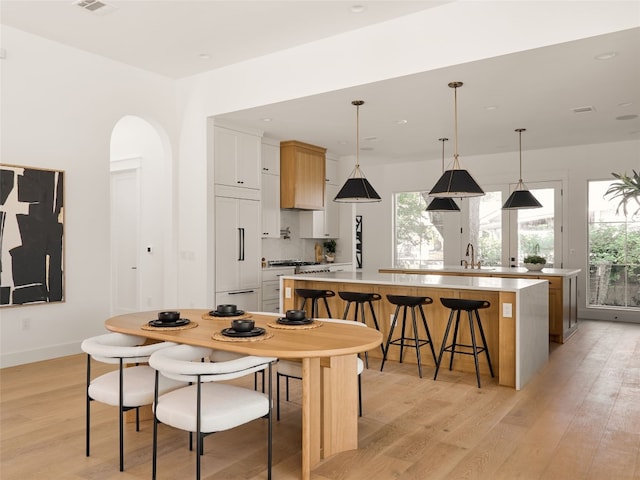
[[330, 246], [626, 189], [535, 259]]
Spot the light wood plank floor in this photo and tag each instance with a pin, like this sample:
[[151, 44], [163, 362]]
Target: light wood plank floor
[[579, 418]]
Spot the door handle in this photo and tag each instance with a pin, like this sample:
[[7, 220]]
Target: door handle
[[242, 244]]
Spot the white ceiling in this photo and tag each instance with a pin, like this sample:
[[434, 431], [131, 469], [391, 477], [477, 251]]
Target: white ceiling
[[536, 89]]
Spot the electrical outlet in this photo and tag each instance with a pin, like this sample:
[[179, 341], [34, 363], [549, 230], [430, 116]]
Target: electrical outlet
[[287, 292], [25, 324], [507, 310]]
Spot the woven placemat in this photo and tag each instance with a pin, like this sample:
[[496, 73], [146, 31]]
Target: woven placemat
[[206, 316], [257, 338], [191, 324], [306, 326]]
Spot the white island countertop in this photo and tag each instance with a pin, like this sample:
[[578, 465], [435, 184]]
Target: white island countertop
[[519, 271], [410, 280]]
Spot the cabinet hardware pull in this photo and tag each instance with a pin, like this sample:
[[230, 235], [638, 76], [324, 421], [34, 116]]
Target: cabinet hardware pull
[[243, 291]]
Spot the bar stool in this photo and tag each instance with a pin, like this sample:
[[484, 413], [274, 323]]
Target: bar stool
[[360, 299], [313, 296], [404, 341], [457, 305]]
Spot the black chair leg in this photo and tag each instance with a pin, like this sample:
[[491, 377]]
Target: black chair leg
[[484, 342], [426, 328], [444, 345], [390, 337], [455, 339]]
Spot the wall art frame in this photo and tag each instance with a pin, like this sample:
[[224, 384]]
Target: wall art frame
[[32, 235]]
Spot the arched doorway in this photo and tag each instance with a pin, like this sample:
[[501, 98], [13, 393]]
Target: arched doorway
[[141, 215]]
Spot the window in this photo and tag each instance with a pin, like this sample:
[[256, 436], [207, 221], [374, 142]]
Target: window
[[614, 252], [418, 233]]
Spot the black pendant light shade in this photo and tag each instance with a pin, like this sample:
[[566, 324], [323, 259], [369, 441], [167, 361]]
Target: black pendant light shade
[[441, 204], [456, 182], [357, 188], [521, 197]]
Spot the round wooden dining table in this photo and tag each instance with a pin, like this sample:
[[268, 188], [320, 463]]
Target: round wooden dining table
[[329, 371]]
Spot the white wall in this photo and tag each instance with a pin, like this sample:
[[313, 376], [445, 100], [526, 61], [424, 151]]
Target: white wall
[[59, 106]]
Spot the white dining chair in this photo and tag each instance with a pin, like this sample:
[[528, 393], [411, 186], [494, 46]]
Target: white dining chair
[[125, 388], [293, 369], [207, 406]]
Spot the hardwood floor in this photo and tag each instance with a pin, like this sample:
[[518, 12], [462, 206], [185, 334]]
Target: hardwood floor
[[579, 418]]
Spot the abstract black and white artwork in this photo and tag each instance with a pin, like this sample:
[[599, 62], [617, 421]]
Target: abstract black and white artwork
[[31, 235]]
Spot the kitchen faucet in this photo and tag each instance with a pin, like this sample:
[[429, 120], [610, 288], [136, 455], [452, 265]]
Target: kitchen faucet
[[473, 263]]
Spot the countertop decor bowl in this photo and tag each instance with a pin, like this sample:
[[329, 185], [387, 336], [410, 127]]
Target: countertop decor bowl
[[243, 325], [295, 314], [169, 316], [226, 308], [535, 267]]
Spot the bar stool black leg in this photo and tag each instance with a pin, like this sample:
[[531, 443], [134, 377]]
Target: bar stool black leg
[[474, 347], [415, 339], [375, 323], [455, 339], [393, 326], [362, 319], [346, 311], [484, 342], [326, 304], [404, 327], [444, 344], [426, 328]]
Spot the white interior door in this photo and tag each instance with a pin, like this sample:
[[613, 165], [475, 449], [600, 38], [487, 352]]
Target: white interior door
[[124, 241]]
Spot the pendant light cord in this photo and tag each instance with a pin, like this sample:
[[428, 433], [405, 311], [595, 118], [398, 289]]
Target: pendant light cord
[[520, 142], [455, 85], [357, 136]]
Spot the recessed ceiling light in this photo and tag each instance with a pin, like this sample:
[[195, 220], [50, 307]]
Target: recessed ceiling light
[[627, 117], [204, 56], [401, 122], [491, 107], [267, 119], [357, 8], [625, 104], [343, 142], [606, 56]]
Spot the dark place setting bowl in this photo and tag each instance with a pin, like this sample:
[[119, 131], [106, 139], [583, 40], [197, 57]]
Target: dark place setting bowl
[[243, 325], [226, 308], [169, 316], [295, 315]]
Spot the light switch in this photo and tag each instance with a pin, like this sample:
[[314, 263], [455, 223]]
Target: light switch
[[507, 310]]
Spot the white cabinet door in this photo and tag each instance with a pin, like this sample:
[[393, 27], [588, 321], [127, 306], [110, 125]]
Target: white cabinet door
[[237, 247], [247, 300], [331, 174], [270, 158], [270, 194], [236, 158], [322, 223]]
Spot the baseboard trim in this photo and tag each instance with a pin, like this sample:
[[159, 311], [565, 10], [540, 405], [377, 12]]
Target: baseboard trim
[[37, 355]]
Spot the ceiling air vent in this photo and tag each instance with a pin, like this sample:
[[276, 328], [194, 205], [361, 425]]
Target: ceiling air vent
[[95, 6], [583, 109]]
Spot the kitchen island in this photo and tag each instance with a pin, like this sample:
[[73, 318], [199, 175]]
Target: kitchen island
[[516, 325], [563, 290]]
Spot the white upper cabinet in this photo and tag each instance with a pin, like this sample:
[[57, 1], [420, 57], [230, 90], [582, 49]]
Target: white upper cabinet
[[322, 223], [270, 156], [331, 173], [270, 193], [237, 158]]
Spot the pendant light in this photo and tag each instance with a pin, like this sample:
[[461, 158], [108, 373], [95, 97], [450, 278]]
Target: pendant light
[[357, 188], [521, 197], [440, 204], [456, 182]]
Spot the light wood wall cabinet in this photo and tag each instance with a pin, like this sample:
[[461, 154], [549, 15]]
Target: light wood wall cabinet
[[302, 176], [323, 223]]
